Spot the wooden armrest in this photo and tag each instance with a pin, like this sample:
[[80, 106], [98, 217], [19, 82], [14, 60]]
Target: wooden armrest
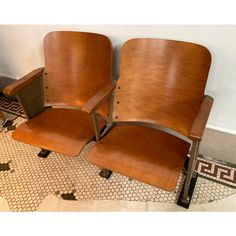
[[13, 88], [200, 121], [98, 98]]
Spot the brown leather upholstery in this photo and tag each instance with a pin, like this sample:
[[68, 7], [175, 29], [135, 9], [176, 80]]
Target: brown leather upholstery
[[77, 66], [161, 83], [61, 130]]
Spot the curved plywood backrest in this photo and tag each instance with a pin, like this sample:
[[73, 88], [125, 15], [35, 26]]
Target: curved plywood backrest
[[77, 66], [161, 82]]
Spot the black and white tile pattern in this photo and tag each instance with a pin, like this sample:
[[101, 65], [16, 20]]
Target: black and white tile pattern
[[11, 107], [30, 179]]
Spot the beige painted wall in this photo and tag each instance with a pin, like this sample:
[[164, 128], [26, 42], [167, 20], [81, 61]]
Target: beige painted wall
[[21, 50]]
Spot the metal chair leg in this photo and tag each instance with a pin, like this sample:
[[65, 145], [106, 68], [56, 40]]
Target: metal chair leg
[[191, 178], [44, 153], [2, 116], [104, 173], [7, 124], [96, 126]]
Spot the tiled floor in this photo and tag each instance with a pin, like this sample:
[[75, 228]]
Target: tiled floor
[[25, 179], [12, 107], [52, 203]]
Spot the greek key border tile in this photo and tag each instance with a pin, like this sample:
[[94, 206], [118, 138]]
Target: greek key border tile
[[11, 107], [218, 172]]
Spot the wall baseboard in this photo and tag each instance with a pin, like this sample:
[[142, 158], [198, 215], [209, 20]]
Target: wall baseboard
[[221, 129], [8, 76], [218, 144]]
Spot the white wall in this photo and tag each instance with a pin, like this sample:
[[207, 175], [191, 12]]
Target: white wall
[[21, 50]]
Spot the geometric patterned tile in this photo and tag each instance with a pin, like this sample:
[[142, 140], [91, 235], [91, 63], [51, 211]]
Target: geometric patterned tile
[[209, 191], [30, 179], [11, 107]]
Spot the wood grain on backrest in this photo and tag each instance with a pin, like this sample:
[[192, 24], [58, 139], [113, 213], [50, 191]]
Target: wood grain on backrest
[[77, 66], [161, 82]]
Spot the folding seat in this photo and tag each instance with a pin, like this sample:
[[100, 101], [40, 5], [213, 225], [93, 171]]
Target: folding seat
[[159, 111], [77, 66]]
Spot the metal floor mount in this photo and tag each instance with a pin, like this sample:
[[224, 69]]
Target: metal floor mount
[[8, 125], [44, 153], [104, 173], [186, 202]]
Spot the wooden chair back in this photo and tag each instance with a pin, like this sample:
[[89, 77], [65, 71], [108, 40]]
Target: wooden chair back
[[161, 82], [77, 66]]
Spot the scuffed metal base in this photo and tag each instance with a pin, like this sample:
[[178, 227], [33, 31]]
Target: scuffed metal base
[[104, 173], [44, 153], [8, 125], [186, 202]]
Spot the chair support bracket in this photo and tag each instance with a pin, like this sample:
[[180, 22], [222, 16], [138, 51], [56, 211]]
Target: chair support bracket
[[44, 153], [185, 202], [106, 174]]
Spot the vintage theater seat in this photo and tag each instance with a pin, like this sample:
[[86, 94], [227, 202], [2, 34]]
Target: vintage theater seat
[[159, 110], [77, 66]]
